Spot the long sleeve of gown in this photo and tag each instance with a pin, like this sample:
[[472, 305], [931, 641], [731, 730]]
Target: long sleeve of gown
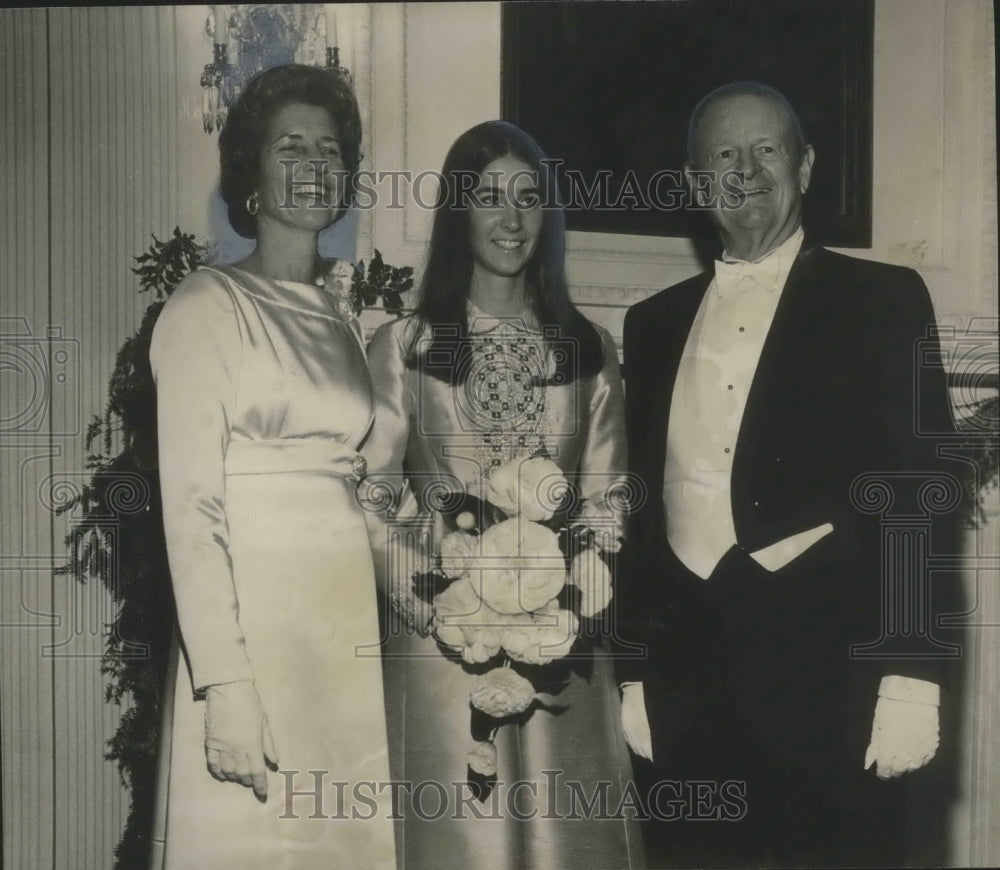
[[196, 355], [603, 464], [385, 448]]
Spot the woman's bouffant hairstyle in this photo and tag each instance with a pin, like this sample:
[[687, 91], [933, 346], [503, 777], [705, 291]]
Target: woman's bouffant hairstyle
[[241, 141], [447, 278]]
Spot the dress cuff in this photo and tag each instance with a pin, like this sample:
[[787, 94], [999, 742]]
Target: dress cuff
[[910, 689], [223, 666]]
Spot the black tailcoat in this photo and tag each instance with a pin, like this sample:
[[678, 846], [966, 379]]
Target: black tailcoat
[[749, 674]]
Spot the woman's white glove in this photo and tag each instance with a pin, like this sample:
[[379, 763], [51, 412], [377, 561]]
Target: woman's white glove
[[415, 613], [238, 742], [635, 723], [404, 561]]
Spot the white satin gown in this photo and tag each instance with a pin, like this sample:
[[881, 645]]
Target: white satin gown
[[264, 397], [436, 435]]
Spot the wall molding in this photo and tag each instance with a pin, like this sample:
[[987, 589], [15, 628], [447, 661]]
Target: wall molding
[[610, 295], [364, 88], [959, 266]]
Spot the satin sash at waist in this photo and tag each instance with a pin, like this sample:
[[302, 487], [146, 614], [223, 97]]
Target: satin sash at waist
[[289, 455]]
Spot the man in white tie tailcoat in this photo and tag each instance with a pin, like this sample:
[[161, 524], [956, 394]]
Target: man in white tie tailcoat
[[777, 702]]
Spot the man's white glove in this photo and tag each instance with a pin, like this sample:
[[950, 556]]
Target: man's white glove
[[635, 723], [904, 737], [238, 740]]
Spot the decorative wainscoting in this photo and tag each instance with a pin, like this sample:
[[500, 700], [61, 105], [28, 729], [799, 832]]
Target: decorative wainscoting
[[100, 113]]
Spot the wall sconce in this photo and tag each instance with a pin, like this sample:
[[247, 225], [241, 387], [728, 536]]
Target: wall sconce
[[247, 39]]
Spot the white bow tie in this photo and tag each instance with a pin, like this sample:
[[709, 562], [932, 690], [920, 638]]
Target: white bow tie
[[732, 277]]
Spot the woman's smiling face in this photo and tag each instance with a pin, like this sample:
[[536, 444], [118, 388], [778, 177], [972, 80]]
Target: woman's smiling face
[[302, 171], [505, 218]]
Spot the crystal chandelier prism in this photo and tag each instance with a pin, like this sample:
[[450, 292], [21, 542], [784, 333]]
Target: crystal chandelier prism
[[248, 39]]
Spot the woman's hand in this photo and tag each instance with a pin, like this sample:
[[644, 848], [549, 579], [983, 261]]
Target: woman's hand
[[238, 742]]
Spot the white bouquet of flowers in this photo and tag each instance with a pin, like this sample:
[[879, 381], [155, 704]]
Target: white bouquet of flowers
[[513, 581]]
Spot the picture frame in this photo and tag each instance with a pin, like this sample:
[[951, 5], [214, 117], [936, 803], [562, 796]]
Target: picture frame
[[607, 88]]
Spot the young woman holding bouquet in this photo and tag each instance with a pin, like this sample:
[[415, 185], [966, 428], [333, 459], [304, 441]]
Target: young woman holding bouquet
[[491, 398]]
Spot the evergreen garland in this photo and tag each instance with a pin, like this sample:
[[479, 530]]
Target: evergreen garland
[[119, 536], [982, 438], [119, 540]]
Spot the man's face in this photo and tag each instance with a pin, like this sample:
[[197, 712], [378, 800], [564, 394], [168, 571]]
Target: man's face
[[757, 173]]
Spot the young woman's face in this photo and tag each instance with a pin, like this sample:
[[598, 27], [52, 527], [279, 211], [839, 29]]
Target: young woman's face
[[302, 171], [505, 218]]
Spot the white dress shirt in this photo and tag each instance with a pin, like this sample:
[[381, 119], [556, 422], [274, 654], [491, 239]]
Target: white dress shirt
[[713, 381], [710, 395]]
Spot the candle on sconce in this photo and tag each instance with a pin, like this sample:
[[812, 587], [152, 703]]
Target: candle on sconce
[[342, 16], [331, 18], [218, 23], [234, 42], [321, 42]]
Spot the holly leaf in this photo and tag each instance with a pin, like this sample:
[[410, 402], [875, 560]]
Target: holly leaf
[[393, 302]]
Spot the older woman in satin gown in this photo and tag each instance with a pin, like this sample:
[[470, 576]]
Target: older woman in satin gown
[[496, 365], [263, 399]]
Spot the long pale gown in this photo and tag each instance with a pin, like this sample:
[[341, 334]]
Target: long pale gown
[[442, 437], [264, 396]]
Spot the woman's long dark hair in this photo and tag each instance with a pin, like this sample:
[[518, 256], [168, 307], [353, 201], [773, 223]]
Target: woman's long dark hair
[[447, 278]]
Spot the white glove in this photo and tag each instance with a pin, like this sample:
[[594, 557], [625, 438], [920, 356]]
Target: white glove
[[904, 737], [416, 613], [402, 561], [237, 735], [635, 724]]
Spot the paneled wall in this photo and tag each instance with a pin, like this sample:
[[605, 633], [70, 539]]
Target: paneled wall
[[27, 451], [94, 114]]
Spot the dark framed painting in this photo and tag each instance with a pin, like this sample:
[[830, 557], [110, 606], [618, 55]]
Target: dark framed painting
[[606, 89]]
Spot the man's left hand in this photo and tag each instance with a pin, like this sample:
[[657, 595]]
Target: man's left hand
[[904, 737]]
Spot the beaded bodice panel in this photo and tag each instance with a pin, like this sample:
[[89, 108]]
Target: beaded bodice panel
[[503, 396], [510, 403]]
